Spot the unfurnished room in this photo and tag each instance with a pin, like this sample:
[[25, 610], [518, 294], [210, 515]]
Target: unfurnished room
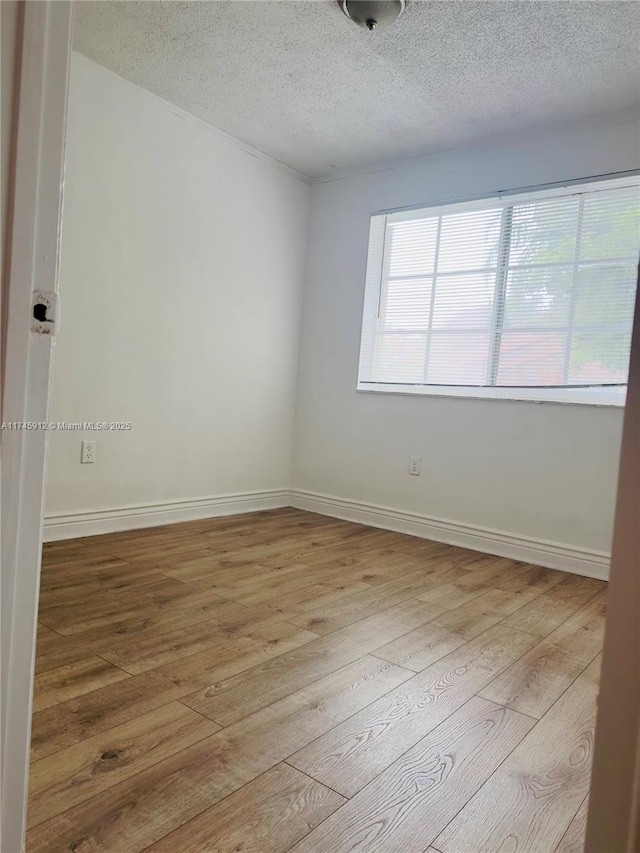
[[320, 426]]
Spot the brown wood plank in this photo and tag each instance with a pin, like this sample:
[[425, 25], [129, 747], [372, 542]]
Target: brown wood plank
[[534, 577], [495, 571], [46, 634], [380, 566], [120, 605], [573, 839], [465, 622], [266, 816], [153, 649], [309, 639], [546, 613], [535, 682], [264, 591], [582, 635], [236, 655], [447, 632], [529, 803], [56, 728], [229, 700], [502, 602], [140, 811], [320, 595], [352, 754], [64, 683], [325, 620], [71, 648], [75, 774], [407, 805], [69, 591], [422, 647]]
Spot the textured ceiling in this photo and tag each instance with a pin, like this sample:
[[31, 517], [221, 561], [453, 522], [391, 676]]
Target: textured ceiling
[[298, 81]]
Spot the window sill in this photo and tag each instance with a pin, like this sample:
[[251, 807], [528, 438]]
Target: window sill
[[611, 398]]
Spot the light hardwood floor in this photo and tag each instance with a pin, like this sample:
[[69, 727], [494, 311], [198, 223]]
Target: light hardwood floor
[[285, 681]]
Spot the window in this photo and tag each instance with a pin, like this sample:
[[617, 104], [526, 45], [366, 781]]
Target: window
[[526, 296]]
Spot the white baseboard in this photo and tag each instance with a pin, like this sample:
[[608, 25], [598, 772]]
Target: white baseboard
[[553, 555], [567, 558], [70, 525]]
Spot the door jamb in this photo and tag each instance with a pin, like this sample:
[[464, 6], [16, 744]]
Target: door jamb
[[613, 824], [38, 171]]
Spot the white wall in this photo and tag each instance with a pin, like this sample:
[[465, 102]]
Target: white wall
[[546, 471], [182, 267], [181, 284]]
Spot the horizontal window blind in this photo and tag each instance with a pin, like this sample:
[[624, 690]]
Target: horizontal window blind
[[529, 291]]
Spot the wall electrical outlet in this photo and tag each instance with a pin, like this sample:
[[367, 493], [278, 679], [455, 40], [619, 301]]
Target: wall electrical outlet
[[415, 463], [88, 452]]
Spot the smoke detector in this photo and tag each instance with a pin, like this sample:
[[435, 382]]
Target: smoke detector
[[372, 14]]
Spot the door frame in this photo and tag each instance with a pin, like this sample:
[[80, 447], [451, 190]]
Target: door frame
[[37, 173], [613, 824]]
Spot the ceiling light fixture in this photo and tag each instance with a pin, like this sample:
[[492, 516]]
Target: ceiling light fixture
[[372, 14]]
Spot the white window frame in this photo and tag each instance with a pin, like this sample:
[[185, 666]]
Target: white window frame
[[595, 396]]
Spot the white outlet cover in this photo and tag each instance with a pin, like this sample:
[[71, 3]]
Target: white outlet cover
[[88, 453]]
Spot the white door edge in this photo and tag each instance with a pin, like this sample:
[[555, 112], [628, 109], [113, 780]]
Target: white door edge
[[35, 240]]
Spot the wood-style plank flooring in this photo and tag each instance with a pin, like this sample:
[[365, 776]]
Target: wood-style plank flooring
[[284, 681]]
